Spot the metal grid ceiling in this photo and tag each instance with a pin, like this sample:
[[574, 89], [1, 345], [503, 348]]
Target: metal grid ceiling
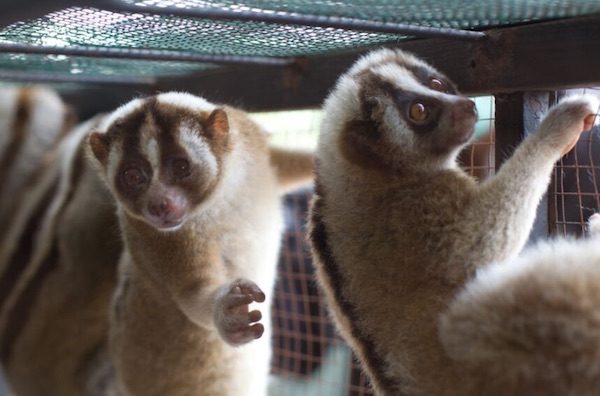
[[93, 27], [100, 29], [433, 13]]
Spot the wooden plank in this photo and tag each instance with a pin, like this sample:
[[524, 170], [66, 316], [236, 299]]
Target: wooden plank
[[535, 106], [508, 124], [540, 56]]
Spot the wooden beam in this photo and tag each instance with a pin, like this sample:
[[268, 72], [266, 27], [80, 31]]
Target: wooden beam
[[508, 124], [539, 56]]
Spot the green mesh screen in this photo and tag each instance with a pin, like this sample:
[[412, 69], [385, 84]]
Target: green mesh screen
[[91, 27], [93, 66], [433, 13]]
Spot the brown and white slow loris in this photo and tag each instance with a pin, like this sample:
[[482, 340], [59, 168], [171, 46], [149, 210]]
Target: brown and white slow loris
[[198, 194], [397, 228]]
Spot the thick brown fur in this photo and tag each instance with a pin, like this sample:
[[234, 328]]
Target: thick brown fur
[[529, 326], [59, 266], [176, 327], [398, 229], [60, 261]]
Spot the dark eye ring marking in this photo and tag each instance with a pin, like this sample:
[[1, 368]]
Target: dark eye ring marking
[[181, 168], [134, 178], [438, 85], [418, 112]]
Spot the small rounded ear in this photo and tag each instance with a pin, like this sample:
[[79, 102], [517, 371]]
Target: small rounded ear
[[217, 124], [100, 145]]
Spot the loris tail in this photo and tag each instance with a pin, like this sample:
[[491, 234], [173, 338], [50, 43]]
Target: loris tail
[[533, 323]]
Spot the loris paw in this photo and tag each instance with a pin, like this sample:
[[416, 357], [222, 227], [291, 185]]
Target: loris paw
[[573, 115], [233, 318], [594, 224]]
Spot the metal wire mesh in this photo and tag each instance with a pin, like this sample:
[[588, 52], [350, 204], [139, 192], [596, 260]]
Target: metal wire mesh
[[309, 358], [478, 159], [575, 191], [92, 27], [433, 13]]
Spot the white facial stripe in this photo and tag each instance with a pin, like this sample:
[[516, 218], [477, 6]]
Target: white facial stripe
[[149, 150], [198, 149], [185, 100], [404, 79], [121, 112], [112, 164], [153, 153]]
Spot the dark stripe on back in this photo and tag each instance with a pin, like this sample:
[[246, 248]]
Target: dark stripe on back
[[22, 117], [20, 312], [319, 238], [17, 263], [35, 178]]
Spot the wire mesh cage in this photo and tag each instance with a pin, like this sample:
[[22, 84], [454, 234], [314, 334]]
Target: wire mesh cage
[[575, 189], [478, 158]]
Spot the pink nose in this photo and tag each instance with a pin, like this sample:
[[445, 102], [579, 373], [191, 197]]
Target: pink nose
[[161, 207], [465, 109]]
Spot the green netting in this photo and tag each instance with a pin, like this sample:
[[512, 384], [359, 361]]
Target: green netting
[[94, 28], [433, 13], [93, 66], [91, 27]]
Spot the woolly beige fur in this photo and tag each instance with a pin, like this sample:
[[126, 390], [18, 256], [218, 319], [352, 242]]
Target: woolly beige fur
[[169, 325], [59, 344], [398, 229]]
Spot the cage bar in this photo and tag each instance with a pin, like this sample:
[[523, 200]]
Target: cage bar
[[142, 54]]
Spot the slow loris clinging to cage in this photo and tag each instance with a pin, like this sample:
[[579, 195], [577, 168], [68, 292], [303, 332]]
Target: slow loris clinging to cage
[[397, 228], [198, 203]]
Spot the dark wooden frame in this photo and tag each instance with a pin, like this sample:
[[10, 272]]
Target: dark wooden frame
[[540, 56]]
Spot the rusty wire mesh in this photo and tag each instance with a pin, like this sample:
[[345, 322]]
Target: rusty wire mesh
[[575, 189], [478, 159]]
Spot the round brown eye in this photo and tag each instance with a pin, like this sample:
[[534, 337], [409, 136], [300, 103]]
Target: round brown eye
[[133, 177], [437, 85], [418, 112], [181, 168]]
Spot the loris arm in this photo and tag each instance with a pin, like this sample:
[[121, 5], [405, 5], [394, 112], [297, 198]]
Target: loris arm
[[505, 206], [224, 306]]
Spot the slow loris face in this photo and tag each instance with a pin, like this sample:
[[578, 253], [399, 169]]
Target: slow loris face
[[162, 160], [408, 112]]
